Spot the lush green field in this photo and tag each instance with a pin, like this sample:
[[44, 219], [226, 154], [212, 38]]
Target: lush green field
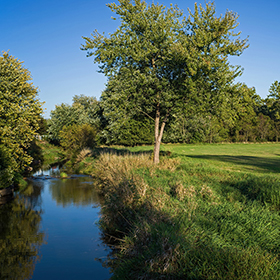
[[254, 157], [205, 212]]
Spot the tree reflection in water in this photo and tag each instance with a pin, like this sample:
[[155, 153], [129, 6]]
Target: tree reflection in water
[[78, 192], [20, 235]]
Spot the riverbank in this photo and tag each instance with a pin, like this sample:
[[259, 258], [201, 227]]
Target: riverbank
[[205, 212]]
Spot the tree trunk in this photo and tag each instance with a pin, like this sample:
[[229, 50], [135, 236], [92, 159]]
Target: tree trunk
[[156, 152], [158, 134], [157, 144]]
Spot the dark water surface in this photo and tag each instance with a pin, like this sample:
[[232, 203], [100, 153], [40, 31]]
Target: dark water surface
[[50, 232]]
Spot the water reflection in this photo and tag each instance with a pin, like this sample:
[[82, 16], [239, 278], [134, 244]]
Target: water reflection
[[20, 235], [47, 171], [59, 211], [77, 191]]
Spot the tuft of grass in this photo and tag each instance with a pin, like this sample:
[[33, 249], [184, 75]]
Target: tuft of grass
[[22, 184], [110, 169], [63, 175], [84, 153]]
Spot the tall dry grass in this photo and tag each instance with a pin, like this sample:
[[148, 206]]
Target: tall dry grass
[[123, 190], [111, 169]]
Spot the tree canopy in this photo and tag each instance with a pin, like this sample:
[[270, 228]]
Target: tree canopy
[[159, 61], [273, 107], [20, 112]]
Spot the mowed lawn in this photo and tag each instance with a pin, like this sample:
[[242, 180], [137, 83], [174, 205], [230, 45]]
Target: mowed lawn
[[253, 157]]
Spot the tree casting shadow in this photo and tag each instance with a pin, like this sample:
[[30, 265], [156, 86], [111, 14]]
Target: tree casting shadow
[[266, 164]]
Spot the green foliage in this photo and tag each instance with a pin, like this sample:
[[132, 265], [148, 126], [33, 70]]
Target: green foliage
[[84, 110], [274, 91], [244, 128], [19, 115], [195, 129], [63, 175], [35, 151], [6, 167], [263, 127], [159, 61], [43, 126], [273, 108], [77, 137], [64, 115], [123, 127]]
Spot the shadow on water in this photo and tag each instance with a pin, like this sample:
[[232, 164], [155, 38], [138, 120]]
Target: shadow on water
[[263, 163]]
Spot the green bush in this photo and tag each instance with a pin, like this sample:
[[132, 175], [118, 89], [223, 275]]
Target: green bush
[[74, 138]]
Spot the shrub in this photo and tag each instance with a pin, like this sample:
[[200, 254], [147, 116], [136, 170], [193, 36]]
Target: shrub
[[77, 137]]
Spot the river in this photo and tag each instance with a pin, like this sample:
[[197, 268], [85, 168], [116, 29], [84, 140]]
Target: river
[[50, 231]]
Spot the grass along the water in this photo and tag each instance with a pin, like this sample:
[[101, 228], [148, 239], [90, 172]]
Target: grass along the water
[[51, 153], [205, 212]]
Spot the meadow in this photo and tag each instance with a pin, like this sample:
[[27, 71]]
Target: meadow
[[205, 212]]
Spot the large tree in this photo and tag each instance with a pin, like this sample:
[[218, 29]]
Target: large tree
[[20, 112], [158, 60], [273, 106]]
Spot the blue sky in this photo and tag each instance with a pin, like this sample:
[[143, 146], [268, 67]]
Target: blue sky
[[47, 36]]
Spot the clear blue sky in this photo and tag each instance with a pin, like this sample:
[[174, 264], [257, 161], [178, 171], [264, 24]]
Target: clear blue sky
[[47, 36]]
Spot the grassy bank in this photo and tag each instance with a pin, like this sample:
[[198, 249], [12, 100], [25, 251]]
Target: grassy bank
[[205, 212], [50, 153]]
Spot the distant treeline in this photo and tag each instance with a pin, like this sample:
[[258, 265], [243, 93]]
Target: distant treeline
[[245, 117]]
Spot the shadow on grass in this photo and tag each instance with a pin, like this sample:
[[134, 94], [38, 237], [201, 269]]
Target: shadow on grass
[[264, 189], [118, 151], [266, 164], [123, 151]]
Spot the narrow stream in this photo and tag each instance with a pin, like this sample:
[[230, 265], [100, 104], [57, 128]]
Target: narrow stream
[[49, 231]]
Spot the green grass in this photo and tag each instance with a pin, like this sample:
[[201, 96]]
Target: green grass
[[205, 212], [261, 158], [254, 157], [51, 153]]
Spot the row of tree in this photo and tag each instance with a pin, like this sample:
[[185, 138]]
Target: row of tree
[[247, 117]]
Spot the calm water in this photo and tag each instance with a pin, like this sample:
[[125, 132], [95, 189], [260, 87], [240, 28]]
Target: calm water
[[50, 232]]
